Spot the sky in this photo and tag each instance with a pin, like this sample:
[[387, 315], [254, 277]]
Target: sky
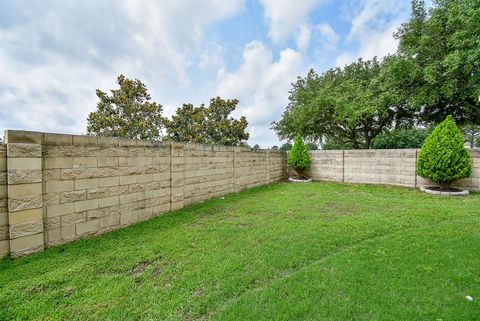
[[54, 54]]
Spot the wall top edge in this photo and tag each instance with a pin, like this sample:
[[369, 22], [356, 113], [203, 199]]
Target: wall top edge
[[376, 150], [41, 138]]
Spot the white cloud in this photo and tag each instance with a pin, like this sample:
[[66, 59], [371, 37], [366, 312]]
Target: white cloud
[[302, 38], [261, 84], [51, 61], [372, 28], [286, 17], [329, 38]]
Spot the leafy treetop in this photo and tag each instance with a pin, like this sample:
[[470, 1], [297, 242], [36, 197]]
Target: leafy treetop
[[127, 113], [208, 125]]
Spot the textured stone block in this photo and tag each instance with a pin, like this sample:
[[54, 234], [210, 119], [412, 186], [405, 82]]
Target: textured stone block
[[51, 199], [24, 176], [24, 203], [25, 229], [51, 223], [74, 218], [73, 196], [118, 190], [97, 193], [97, 213], [24, 150]]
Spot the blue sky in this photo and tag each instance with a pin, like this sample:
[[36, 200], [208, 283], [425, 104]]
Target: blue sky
[[54, 54]]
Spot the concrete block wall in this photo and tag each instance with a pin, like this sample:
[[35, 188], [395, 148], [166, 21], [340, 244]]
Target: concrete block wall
[[93, 185], [64, 187], [389, 167], [4, 228]]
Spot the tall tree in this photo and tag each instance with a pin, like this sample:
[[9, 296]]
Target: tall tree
[[128, 112], [208, 125], [444, 45], [350, 106]]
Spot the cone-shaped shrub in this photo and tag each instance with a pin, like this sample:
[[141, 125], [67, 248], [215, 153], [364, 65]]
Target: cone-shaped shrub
[[443, 157], [298, 157]]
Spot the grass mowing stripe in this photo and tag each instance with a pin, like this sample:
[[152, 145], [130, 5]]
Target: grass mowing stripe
[[341, 250]]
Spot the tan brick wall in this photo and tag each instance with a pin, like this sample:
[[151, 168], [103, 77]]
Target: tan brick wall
[[4, 229], [24, 191], [389, 167], [67, 187], [93, 185]]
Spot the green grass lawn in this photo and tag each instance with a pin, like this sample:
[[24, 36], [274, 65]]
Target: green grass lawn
[[320, 251]]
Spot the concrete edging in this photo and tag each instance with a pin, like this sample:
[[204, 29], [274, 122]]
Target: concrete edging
[[442, 193]]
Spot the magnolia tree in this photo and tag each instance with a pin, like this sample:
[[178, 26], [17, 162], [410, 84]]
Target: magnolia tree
[[443, 158], [298, 158]]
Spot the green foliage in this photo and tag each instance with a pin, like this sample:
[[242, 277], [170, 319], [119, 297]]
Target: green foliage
[[351, 105], [286, 147], [208, 125], [311, 146], [444, 46], [401, 138], [298, 157], [275, 147], [471, 133], [332, 144], [127, 113], [443, 157], [256, 146], [435, 73]]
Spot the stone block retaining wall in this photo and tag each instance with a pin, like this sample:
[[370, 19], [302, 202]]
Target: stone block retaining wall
[[380, 166], [4, 234], [64, 187], [56, 188]]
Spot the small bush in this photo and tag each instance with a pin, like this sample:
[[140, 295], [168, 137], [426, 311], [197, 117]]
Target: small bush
[[443, 157], [298, 157]]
